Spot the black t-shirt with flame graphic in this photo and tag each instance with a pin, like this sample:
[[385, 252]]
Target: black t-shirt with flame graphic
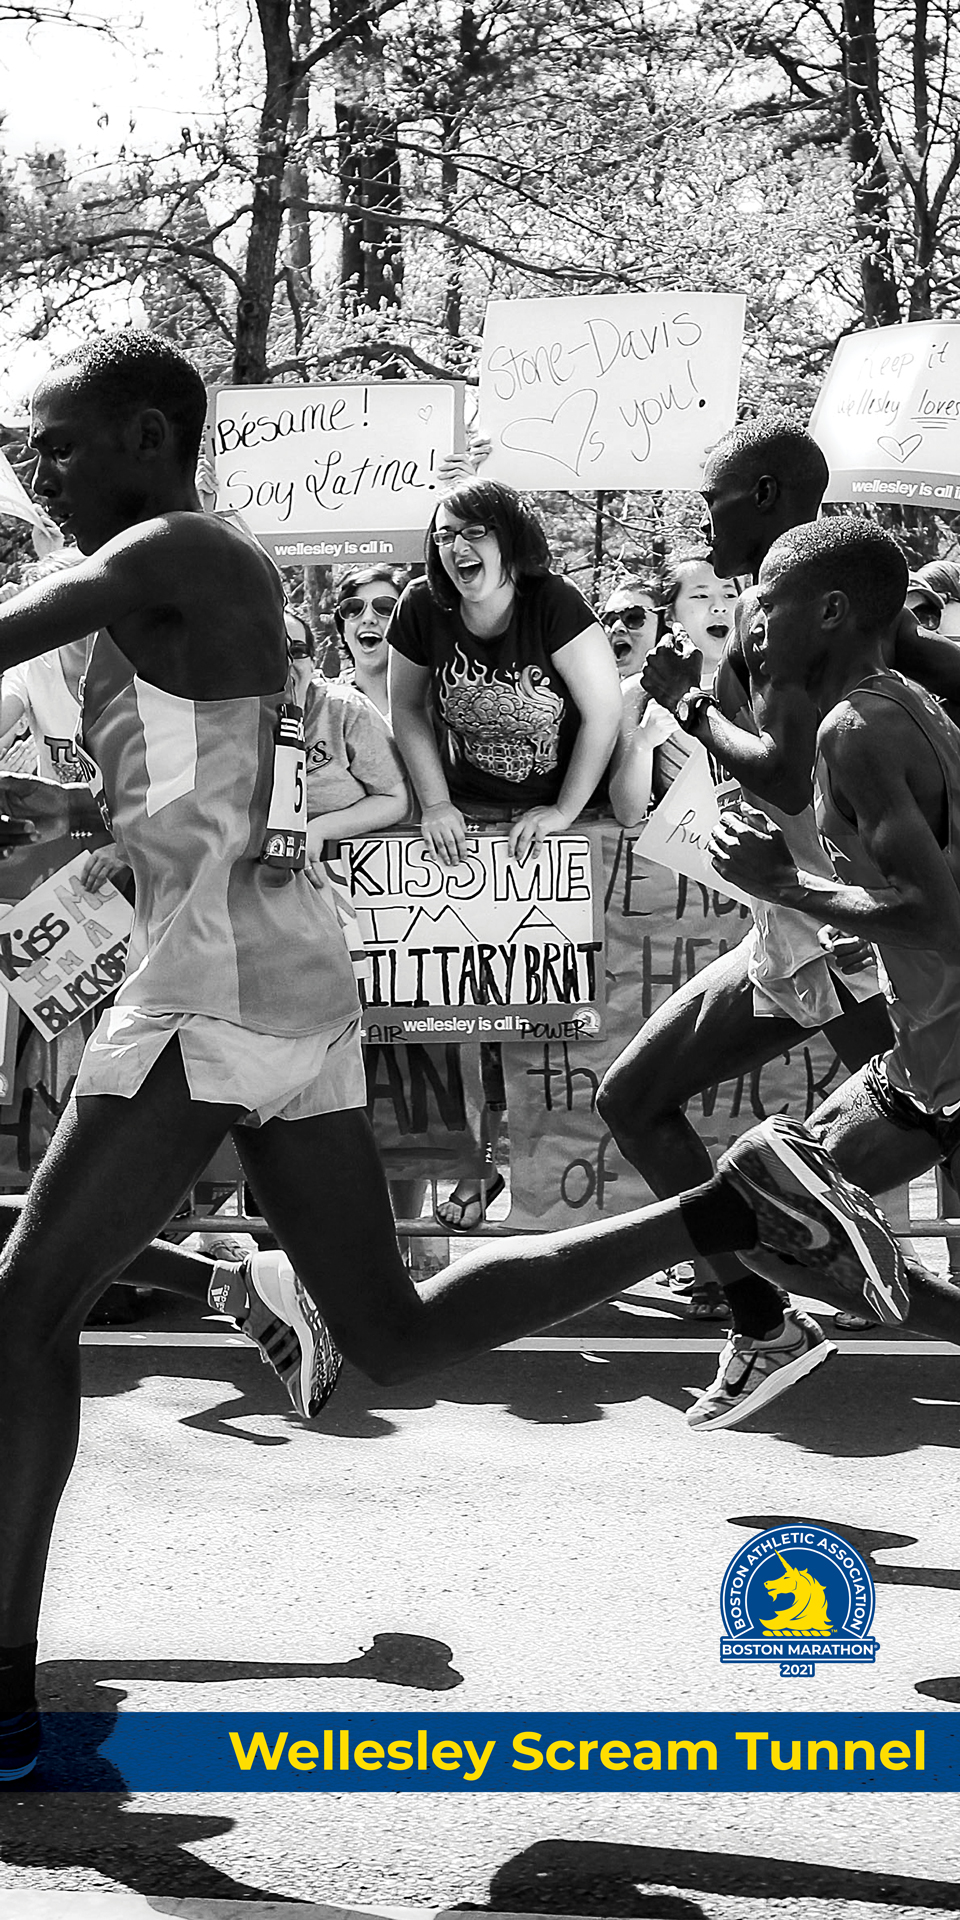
[[508, 720]]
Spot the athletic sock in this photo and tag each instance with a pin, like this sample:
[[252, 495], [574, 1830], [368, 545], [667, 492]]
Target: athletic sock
[[717, 1218], [757, 1306], [18, 1679], [227, 1292]]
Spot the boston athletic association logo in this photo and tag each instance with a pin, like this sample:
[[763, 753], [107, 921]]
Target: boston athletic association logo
[[797, 1596]]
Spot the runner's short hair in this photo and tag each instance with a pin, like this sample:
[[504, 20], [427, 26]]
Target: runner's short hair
[[848, 554], [131, 368], [775, 443]]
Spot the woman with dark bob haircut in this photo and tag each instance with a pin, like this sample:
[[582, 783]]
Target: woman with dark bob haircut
[[517, 668], [519, 535]]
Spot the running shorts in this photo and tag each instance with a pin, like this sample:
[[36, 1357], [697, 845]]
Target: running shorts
[[271, 1076]]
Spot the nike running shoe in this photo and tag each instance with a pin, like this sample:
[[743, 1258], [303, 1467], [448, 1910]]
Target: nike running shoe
[[807, 1211], [753, 1372], [19, 1745], [292, 1336]]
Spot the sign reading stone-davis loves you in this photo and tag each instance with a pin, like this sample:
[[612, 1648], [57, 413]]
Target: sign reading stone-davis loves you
[[335, 476], [492, 949], [611, 390], [888, 416], [62, 949]]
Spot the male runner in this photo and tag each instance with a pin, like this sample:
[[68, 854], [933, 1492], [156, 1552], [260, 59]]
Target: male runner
[[765, 996], [829, 602], [238, 1012]]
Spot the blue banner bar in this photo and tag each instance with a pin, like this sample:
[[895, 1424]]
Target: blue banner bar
[[749, 1752]]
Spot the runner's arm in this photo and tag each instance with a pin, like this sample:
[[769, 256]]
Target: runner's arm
[[112, 584], [919, 904], [776, 762]]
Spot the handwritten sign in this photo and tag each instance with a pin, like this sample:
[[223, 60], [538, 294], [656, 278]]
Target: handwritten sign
[[338, 476], [15, 500], [678, 830], [620, 390], [492, 949], [62, 950], [888, 416], [660, 931]]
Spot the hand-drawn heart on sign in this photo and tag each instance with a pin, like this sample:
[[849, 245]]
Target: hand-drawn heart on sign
[[899, 450], [560, 437]]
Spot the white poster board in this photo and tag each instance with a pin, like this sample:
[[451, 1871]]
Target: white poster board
[[613, 390], [334, 475], [888, 416], [15, 500], [494, 948], [62, 950], [678, 830]]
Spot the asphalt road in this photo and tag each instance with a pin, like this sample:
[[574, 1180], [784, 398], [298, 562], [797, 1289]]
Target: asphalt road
[[535, 1531]]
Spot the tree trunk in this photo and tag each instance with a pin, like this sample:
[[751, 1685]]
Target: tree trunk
[[871, 191], [371, 261], [299, 253], [263, 243]]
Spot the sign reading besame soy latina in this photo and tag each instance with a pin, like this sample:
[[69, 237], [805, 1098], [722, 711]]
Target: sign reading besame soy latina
[[62, 949], [888, 416], [492, 949], [334, 475], [613, 390]]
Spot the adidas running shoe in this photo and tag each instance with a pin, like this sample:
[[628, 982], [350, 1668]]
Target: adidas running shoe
[[806, 1211], [19, 1745], [292, 1336], [754, 1372]]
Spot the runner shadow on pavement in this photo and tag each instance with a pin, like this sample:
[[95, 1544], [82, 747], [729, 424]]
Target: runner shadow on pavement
[[599, 1877], [868, 1541], [867, 1415], [546, 1389], [74, 1811]]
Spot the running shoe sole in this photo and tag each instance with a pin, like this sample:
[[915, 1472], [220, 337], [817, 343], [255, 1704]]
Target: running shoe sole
[[806, 1209], [774, 1384], [293, 1336], [19, 1745]]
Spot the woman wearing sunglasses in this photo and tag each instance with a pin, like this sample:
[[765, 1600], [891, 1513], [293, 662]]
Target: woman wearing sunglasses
[[355, 778], [633, 623], [518, 670], [365, 601]]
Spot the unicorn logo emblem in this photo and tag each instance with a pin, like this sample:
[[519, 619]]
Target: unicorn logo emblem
[[807, 1611], [824, 1594]]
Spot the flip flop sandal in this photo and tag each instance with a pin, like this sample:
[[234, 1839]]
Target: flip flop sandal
[[710, 1305], [452, 1213]]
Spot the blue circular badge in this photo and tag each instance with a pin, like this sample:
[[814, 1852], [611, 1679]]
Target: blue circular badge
[[797, 1592]]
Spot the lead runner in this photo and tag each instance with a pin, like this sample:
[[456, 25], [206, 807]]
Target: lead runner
[[238, 1012]]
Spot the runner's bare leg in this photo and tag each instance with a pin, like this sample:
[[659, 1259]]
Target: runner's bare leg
[[114, 1174]]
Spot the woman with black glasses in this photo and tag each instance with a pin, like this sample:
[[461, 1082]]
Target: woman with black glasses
[[518, 670]]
